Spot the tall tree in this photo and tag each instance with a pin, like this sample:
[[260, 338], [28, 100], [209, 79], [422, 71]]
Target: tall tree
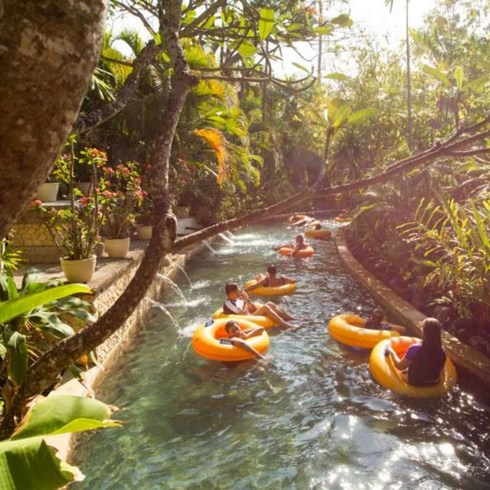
[[48, 52]]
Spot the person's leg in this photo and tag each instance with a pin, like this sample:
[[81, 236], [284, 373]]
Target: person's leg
[[265, 310], [279, 311], [244, 345], [398, 328]]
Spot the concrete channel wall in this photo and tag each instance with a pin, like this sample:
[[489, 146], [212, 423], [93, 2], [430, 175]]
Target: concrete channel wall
[[403, 312]]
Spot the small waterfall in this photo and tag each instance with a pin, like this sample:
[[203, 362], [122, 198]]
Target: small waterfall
[[211, 249], [163, 308], [173, 286], [229, 234], [181, 269], [225, 238]]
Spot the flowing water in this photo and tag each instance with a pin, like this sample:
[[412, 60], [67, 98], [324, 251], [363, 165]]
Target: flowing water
[[312, 418]]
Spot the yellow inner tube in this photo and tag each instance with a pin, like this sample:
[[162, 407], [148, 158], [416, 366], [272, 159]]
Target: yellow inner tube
[[318, 234], [386, 374], [348, 329], [260, 320], [271, 290], [206, 341], [306, 252]]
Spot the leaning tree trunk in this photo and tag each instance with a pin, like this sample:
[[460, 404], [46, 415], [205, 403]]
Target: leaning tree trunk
[[48, 51]]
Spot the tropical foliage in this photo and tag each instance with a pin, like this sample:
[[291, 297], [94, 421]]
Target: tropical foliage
[[28, 461]]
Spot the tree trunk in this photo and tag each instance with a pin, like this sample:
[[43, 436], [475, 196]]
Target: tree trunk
[[45, 370], [48, 51]]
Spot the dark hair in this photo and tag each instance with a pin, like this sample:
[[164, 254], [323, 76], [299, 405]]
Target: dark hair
[[231, 286], [377, 313], [271, 268], [230, 324], [318, 226], [432, 333], [300, 237]]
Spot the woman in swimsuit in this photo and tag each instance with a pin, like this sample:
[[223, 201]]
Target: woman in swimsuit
[[423, 362]]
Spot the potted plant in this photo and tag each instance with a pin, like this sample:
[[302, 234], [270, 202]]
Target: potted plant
[[75, 229], [121, 196], [144, 218]]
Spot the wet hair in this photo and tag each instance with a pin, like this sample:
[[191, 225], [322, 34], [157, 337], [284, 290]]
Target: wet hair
[[318, 226], [271, 269], [300, 237], [230, 324], [231, 286], [432, 333], [377, 313]]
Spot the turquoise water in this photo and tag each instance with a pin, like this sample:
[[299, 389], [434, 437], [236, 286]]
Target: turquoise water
[[313, 418]]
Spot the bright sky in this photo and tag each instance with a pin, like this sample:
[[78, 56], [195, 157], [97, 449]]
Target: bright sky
[[375, 16]]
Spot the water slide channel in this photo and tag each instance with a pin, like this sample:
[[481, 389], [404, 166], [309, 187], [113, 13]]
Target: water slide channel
[[313, 418]]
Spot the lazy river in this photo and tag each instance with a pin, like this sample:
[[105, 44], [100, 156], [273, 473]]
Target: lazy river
[[312, 418]]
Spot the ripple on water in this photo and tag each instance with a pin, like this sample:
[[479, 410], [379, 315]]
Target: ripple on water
[[312, 418]]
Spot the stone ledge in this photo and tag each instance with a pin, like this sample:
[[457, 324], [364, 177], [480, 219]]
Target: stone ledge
[[402, 311]]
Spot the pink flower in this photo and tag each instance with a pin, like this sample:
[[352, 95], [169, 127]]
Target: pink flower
[[36, 203], [84, 200]]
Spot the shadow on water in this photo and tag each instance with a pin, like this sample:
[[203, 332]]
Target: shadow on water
[[312, 418]]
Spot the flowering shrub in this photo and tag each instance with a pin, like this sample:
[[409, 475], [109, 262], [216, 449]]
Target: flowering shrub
[[120, 197], [75, 229]]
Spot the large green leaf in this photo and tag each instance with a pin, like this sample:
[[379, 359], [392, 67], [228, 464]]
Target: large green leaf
[[362, 114], [59, 414], [342, 20], [247, 49], [17, 349], [337, 112], [442, 77], [16, 307], [323, 30], [337, 76], [33, 465], [26, 461], [266, 23], [460, 77]]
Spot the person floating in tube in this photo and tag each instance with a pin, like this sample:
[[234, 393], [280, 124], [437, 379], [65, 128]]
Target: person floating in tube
[[376, 322], [237, 337], [238, 303], [302, 220], [299, 244], [270, 280], [423, 362]]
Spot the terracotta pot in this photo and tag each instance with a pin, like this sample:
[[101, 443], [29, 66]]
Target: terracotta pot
[[117, 247], [143, 232], [48, 192], [79, 270]]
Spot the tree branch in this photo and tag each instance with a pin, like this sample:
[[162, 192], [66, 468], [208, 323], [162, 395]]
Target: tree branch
[[99, 116]]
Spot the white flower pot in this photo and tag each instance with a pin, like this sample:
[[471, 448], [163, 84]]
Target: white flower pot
[[48, 192], [79, 270], [117, 247], [143, 232]]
